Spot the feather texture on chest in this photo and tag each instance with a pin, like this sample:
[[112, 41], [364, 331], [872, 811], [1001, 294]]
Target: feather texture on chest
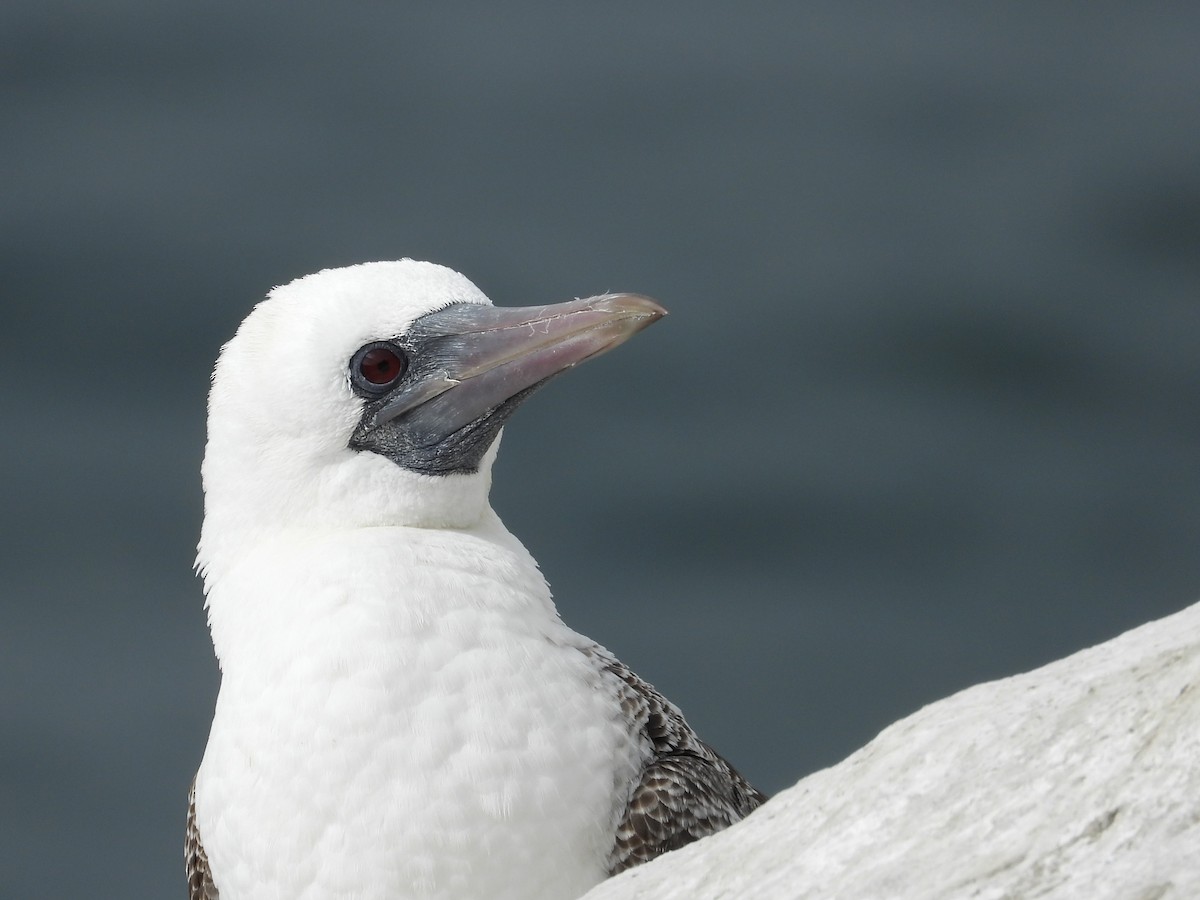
[[391, 711]]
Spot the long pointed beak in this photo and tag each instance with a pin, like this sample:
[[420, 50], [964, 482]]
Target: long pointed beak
[[472, 358]]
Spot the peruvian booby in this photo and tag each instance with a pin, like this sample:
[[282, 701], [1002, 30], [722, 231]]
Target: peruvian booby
[[402, 713]]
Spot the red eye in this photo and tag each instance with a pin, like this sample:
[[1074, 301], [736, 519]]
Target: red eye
[[377, 366]]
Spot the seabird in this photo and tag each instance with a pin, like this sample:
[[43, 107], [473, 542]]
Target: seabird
[[402, 713]]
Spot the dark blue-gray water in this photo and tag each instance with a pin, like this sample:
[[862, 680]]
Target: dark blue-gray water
[[926, 411]]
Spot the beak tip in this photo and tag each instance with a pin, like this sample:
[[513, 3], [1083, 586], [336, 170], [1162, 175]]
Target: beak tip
[[637, 306]]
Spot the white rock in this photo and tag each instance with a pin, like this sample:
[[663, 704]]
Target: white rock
[[1080, 779]]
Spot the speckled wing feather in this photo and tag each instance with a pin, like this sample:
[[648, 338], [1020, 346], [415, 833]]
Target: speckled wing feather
[[195, 860], [685, 791]]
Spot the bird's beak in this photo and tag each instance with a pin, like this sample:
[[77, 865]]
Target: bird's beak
[[469, 360]]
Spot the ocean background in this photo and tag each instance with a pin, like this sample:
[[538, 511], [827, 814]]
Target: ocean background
[[926, 411]]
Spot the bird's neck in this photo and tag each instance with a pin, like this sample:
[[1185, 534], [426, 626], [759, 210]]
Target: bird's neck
[[301, 584], [257, 503]]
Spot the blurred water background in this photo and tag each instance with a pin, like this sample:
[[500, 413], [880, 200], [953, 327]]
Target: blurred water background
[[926, 411]]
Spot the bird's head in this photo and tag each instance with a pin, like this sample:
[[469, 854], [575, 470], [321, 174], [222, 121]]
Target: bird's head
[[374, 395]]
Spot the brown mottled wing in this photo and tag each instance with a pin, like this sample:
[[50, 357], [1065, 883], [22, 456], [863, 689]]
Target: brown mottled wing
[[195, 860], [686, 790]]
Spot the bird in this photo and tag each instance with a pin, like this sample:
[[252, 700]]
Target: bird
[[402, 713]]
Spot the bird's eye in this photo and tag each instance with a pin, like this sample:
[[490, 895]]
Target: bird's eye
[[377, 366]]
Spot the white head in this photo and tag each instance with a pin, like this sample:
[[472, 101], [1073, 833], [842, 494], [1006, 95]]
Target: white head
[[374, 395]]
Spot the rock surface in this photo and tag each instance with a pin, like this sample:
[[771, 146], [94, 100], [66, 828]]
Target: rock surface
[[1079, 779]]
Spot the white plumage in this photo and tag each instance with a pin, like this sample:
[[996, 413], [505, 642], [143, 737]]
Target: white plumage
[[402, 713]]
